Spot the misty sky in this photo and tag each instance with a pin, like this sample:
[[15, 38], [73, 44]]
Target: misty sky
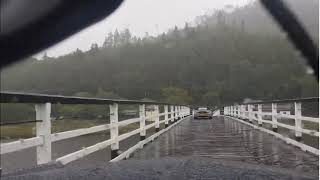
[[140, 16]]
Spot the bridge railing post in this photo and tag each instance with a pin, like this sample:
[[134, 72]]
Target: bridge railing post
[[43, 129], [274, 117], [251, 115], [243, 113], [178, 113], [297, 120], [166, 115], [247, 113], [259, 114], [171, 114], [114, 130], [142, 115], [182, 111], [157, 118], [186, 111], [175, 113], [231, 110]]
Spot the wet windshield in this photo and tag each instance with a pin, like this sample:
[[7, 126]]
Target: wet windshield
[[152, 64]]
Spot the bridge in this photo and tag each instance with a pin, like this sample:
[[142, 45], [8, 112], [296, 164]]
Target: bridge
[[277, 139]]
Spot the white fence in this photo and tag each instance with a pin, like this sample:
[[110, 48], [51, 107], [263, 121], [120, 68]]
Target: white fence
[[256, 119], [44, 138]]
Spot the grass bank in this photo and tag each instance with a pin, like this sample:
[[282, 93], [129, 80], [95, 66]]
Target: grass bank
[[20, 131]]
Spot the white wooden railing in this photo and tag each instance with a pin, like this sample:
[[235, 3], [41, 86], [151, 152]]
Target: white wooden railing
[[245, 113], [44, 138]]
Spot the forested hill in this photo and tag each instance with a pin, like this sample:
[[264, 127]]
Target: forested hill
[[226, 57]]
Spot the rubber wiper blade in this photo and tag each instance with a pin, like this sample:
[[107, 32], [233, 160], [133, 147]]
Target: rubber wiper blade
[[295, 31]]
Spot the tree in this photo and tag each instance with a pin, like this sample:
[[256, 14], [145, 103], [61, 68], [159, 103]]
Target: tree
[[116, 38], [108, 42], [211, 98], [107, 94], [125, 36], [94, 47], [216, 63], [176, 95]]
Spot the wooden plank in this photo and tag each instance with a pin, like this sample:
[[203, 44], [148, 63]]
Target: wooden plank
[[20, 145]]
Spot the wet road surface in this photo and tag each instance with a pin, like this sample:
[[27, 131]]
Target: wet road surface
[[225, 139]]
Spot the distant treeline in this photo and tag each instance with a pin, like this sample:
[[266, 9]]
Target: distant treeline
[[225, 58]]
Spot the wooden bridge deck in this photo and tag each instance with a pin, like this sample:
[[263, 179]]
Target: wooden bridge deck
[[225, 139]]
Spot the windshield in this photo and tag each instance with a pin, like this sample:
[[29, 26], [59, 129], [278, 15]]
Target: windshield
[[140, 75]]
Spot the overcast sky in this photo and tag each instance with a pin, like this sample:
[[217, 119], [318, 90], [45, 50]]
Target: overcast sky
[[140, 16]]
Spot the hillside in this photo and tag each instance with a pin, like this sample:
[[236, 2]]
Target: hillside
[[225, 58]]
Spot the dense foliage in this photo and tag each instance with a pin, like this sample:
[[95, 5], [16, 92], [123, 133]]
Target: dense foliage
[[225, 57]]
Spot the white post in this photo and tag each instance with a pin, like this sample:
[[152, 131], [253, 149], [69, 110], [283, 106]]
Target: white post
[[243, 113], [259, 114], [176, 113], [250, 113], [172, 114], [183, 110], [231, 110], [297, 120], [274, 117], [235, 111], [43, 129], [166, 123], [142, 115], [114, 129], [157, 118]]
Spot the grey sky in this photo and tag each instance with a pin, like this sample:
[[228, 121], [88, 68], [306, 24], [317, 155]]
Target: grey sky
[[140, 16]]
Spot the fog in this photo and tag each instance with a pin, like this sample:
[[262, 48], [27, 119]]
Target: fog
[[141, 16]]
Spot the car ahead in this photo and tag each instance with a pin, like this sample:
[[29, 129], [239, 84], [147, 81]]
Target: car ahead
[[202, 113]]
